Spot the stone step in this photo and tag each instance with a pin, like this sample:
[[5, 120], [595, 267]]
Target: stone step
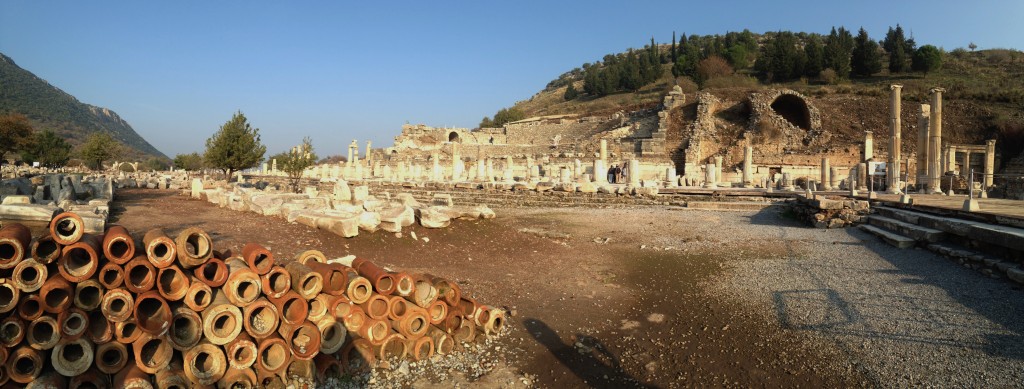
[[988, 265], [892, 238], [921, 234], [1000, 235]]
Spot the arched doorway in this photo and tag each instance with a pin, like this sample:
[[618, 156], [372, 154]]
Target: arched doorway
[[454, 137], [794, 110]]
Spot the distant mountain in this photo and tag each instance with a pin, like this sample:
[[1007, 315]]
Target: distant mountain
[[51, 108]]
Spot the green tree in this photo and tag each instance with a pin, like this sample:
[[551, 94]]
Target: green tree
[[236, 146], [190, 162], [838, 49], [296, 161], [865, 59], [15, 133], [738, 56], [570, 93], [99, 147], [815, 56], [48, 149], [782, 59], [927, 59], [508, 115], [154, 164], [486, 122], [899, 49]]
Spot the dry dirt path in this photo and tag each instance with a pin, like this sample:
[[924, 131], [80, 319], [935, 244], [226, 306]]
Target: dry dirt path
[[673, 298]]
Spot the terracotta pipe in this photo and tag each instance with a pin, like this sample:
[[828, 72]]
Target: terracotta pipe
[[29, 275], [268, 380], [374, 331], [88, 295], [405, 285], [332, 335], [56, 294], [205, 364], [100, 329], [127, 332], [258, 258], [465, 333], [241, 353], [4, 377], [392, 346], [67, 228], [468, 307], [222, 321], [292, 308], [243, 285], [239, 379], [482, 315], [15, 241], [139, 275], [118, 245], [92, 379], [376, 307], [382, 281], [24, 364], [199, 295], [274, 355], [12, 331], [117, 305], [172, 283], [153, 353], [338, 306], [72, 358], [111, 276], [42, 333], [222, 255], [446, 290], [318, 307], [443, 343], [31, 307], [453, 321], [213, 273], [9, 296], [437, 312], [334, 276], [186, 329], [495, 321], [80, 261], [358, 356], [111, 357], [276, 282], [311, 256], [152, 313], [306, 282], [327, 365], [412, 325], [45, 249], [359, 289], [355, 319], [160, 248], [300, 368], [424, 293], [303, 339], [398, 307], [73, 324], [421, 349], [173, 377], [132, 377], [194, 247], [260, 318]]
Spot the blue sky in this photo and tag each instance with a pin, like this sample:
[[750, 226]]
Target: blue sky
[[338, 71]]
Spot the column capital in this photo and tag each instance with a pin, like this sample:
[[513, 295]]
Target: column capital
[[936, 90], [895, 86]]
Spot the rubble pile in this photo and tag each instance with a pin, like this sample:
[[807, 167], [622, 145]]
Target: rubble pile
[[163, 311]]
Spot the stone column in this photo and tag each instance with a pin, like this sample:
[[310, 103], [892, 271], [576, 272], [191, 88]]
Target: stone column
[[670, 177], [935, 141], [273, 165], [869, 145], [895, 143], [832, 178], [709, 176], [950, 159], [966, 170], [862, 176], [349, 160], [368, 155], [456, 162], [490, 170], [565, 175], [481, 170], [510, 172], [600, 172], [634, 172], [826, 182], [922, 148], [748, 157], [990, 163], [435, 167], [577, 170], [604, 152]]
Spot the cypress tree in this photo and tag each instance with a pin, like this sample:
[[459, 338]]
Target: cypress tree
[[865, 60]]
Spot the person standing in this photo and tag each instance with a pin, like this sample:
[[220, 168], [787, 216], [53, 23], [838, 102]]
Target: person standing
[[611, 174], [624, 173]]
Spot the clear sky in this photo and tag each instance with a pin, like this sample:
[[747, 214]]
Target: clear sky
[[337, 71]]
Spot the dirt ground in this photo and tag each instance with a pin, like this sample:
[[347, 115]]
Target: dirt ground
[[599, 297]]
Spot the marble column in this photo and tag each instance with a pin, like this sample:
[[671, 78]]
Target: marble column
[[565, 175], [510, 173], [481, 170], [709, 176], [634, 172], [862, 176], [490, 170], [600, 172], [990, 163], [826, 182], [604, 152], [832, 178], [950, 159], [869, 145], [922, 148], [895, 143], [935, 141], [368, 156], [435, 167], [670, 177], [748, 156], [966, 170]]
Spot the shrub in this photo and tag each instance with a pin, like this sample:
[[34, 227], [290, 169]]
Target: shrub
[[829, 76]]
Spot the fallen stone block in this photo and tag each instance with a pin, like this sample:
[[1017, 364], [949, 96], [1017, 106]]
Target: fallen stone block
[[433, 217], [442, 199], [586, 187], [369, 221], [29, 212], [16, 200], [345, 226]]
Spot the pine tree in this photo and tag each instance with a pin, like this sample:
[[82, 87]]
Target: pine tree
[[235, 146], [815, 57], [838, 49], [927, 59], [865, 59], [570, 92], [674, 54], [899, 49], [48, 149]]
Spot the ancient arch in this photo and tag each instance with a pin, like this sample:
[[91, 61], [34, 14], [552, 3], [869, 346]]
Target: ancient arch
[[454, 137], [793, 109]]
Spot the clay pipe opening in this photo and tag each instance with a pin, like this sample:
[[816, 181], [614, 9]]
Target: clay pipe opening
[[118, 245], [80, 260], [258, 258], [42, 333], [194, 247], [276, 282], [117, 305], [56, 294], [186, 329], [45, 249], [213, 273], [111, 357], [260, 318], [29, 275], [72, 358], [67, 228], [160, 249], [111, 276], [152, 353], [139, 275], [88, 295], [152, 313], [172, 283]]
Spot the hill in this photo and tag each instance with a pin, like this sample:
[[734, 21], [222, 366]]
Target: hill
[[48, 107]]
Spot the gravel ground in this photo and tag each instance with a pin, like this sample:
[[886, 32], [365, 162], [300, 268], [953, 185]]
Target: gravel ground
[[900, 317]]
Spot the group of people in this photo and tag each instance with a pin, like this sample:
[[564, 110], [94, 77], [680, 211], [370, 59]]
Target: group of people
[[618, 174]]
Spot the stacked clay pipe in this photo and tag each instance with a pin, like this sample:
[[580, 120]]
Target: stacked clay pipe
[[80, 311]]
